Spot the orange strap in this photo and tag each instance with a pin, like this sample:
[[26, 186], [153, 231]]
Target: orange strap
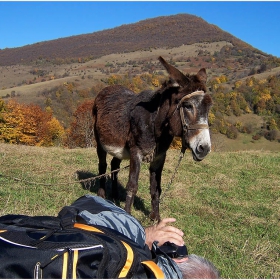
[[155, 269], [75, 261], [87, 227], [65, 265], [129, 260]]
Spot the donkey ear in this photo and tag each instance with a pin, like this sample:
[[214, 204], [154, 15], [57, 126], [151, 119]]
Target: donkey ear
[[202, 76], [174, 73]]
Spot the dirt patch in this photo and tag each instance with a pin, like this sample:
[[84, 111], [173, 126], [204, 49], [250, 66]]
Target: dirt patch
[[264, 75]]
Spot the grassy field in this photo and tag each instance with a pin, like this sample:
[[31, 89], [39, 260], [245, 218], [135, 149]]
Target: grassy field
[[244, 142], [228, 205]]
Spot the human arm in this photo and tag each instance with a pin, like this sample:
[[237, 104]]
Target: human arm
[[162, 233]]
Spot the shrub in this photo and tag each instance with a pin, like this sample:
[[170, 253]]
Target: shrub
[[271, 135], [256, 137], [232, 132]]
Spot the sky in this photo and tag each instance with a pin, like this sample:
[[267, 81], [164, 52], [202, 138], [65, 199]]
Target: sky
[[23, 23]]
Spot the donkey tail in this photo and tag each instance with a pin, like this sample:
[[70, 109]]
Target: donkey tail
[[94, 111]]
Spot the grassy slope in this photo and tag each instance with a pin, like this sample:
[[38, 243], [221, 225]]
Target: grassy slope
[[12, 75], [227, 205]]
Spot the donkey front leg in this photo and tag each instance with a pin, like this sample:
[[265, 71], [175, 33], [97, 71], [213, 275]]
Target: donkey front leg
[[132, 185], [102, 166], [115, 165], [155, 185]]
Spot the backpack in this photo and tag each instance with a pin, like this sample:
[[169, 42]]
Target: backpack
[[67, 246]]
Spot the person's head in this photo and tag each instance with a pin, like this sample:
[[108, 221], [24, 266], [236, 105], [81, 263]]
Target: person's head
[[196, 267]]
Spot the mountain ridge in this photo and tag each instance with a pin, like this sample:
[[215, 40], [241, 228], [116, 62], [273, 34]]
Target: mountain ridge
[[164, 31]]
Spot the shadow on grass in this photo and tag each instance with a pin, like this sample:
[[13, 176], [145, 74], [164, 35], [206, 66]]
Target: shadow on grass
[[89, 183]]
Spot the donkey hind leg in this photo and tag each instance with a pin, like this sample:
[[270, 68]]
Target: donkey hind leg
[[102, 166], [155, 185], [115, 164], [132, 185]]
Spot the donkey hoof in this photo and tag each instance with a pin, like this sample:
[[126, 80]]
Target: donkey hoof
[[101, 193], [127, 209], [115, 195], [154, 217]]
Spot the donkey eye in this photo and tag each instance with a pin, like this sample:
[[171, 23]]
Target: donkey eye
[[188, 106]]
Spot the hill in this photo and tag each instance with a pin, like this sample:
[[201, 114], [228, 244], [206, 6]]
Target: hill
[[187, 40], [167, 31]]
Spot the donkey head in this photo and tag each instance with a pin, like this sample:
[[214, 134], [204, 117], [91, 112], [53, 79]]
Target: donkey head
[[189, 109]]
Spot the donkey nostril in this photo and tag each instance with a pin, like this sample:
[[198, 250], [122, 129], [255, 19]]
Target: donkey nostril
[[201, 152], [200, 149]]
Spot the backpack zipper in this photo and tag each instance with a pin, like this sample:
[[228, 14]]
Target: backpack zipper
[[38, 271]]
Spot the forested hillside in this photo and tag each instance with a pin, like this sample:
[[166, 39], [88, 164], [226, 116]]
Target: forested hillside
[[261, 97]]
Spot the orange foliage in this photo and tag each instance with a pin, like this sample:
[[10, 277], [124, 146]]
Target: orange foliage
[[80, 133], [136, 83], [155, 82], [29, 125], [176, 143]]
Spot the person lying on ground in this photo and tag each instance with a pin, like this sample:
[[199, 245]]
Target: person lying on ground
[[190, 266]]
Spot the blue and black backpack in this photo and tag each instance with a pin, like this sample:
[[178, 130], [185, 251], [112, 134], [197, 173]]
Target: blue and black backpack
[[92, 238]]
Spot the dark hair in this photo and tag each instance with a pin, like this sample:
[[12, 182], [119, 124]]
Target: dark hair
[[196, 267]]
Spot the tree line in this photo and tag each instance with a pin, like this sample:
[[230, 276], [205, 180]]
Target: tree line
[[33, 125]]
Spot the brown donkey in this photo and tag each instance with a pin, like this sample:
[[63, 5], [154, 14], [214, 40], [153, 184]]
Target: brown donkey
[[140, 127]]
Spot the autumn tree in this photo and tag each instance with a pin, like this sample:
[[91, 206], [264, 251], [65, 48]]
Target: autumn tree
[[272, 125], [12, 122], [29, 125], [80, 133], [2, 109], [54, 133], [214, 83]]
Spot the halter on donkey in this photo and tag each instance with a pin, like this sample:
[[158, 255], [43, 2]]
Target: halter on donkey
[[185, 125]]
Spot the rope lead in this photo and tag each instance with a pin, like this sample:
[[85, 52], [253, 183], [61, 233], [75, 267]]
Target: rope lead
[[173, 175]]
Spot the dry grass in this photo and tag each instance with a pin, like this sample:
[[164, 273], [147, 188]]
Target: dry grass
[[244, 142]]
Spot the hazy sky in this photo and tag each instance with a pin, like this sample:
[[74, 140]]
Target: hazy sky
[[23, 23]]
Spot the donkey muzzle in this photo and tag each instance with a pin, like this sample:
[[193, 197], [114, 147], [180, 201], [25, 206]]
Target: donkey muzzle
[[201, 151], [200, 144]]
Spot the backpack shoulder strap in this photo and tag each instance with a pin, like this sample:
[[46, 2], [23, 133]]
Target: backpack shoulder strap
[[129, 260], [153, 267]]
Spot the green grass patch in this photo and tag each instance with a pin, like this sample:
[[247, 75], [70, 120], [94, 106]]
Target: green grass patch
[[227, 205]]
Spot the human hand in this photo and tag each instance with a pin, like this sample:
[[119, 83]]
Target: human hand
[[162, 233]]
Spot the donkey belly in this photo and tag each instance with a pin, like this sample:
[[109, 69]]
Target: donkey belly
[[118, 152]]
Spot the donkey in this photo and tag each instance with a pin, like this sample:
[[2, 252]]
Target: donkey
[[140, 127]]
